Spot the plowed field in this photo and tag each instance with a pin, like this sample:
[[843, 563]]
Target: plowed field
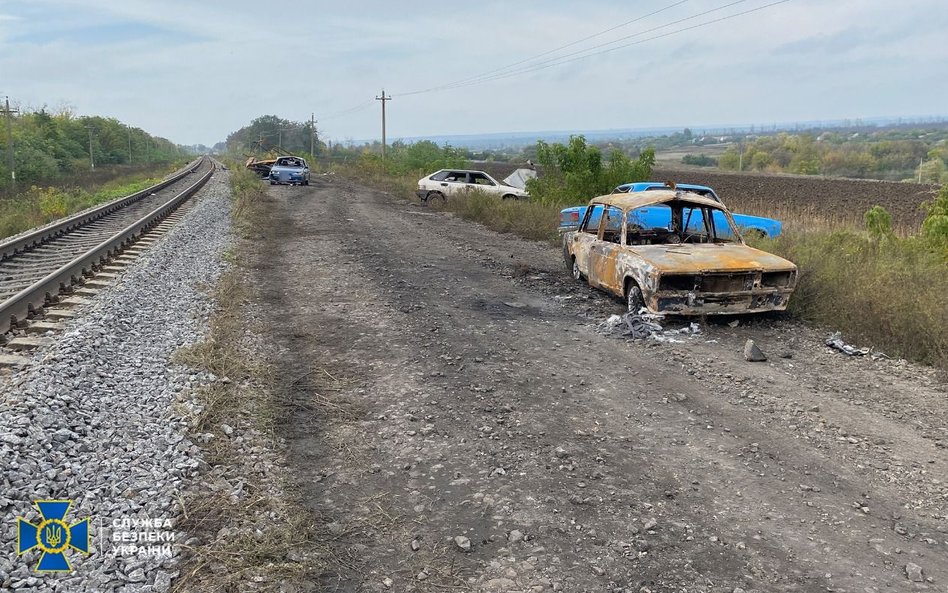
[[793, 197]]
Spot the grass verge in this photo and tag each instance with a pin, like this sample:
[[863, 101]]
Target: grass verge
[[247, 530], [887, 292], [40, 205]]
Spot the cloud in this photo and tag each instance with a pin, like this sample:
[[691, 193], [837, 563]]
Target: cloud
[[195, 71]]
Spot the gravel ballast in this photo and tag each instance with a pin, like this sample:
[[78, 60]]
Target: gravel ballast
[[92, 418]]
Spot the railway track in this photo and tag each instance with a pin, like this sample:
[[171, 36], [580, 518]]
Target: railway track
[[39, 269]]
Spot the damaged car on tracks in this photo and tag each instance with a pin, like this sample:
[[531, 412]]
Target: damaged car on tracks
[[666, 251]]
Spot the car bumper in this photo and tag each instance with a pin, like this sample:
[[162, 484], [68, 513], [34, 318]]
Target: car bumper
[[720, 303], [292, 179], [421, 193]]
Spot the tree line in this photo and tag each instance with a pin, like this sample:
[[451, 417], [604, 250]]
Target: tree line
[[48, 147]]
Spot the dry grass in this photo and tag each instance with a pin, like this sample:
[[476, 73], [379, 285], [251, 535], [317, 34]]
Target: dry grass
[[888, 293], [523, 218], [263, 535]]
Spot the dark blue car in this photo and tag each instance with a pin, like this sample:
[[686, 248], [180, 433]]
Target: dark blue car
[[765, 227]]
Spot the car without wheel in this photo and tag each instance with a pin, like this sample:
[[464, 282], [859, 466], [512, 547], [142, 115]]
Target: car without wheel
[[451, 182], [665, 250], [291, 170]]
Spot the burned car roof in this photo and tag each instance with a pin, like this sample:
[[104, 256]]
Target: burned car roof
[[651, 198]]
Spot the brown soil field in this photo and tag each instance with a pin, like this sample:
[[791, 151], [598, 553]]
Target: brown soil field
[[795, 198]]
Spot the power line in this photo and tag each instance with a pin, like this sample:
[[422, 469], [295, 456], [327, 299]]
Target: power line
[[607, 47], [359, 107], [568, 58], [564, 58], [548, 52]]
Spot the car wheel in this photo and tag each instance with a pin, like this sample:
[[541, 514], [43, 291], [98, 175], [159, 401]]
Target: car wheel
[[273, 183], [577, 274], [754, 234], [434, 195], [509, 197], [633, 297]]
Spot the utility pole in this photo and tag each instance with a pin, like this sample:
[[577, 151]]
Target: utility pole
[[91, 158], [383, 99], [280, 141], [11, 162], [312, 135], [129, 144]]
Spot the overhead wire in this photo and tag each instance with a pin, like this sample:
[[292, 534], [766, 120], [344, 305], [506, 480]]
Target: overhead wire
[[551, 51], [574, 57], [357, 108], [603, 48]]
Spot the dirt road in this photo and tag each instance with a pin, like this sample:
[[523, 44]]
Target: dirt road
[[458, 422]]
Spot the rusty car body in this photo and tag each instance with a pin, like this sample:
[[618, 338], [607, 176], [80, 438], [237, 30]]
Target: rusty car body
[[680, 264]]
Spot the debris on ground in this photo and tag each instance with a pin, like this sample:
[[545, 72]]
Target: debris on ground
[[641, 325], [835, 341], [644, 325], [753, 353]]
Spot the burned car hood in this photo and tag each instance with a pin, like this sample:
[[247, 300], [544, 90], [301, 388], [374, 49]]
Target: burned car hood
[[709, 258]]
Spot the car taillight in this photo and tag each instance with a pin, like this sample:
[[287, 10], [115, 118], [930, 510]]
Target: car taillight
[[574, 216]]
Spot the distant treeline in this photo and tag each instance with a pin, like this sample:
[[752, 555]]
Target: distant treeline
[[49, 148], [895, 156], [274, 134]]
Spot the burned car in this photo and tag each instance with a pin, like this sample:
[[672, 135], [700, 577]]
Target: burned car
[[665, 250]]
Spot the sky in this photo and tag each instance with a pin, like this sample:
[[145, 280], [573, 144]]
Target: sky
[[194, 71]]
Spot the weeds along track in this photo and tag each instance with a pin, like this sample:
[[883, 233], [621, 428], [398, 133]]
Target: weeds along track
[[39, 267]]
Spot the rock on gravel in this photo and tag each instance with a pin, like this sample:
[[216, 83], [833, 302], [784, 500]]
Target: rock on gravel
[[914, 572], [93, 418], [463, 543], [753, 353]]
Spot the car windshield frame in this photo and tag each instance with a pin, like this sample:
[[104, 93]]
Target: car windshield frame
[[682, 227]]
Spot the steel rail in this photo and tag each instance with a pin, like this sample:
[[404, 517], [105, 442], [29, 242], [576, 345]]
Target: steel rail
[[19, 244], [30, 300]]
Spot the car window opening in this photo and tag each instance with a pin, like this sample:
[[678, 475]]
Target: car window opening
[[673, 223]]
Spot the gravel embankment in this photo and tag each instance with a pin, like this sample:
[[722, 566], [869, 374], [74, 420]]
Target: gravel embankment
[[92, 419]]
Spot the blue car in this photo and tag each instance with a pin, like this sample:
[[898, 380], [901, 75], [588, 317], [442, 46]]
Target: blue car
[[291, 170], [765, 227]]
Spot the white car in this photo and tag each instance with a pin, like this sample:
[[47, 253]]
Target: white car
[[451, 182]]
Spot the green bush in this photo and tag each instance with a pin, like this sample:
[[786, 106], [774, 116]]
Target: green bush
[[40, 205], [699, 160], [574, 173], [415, 159], [935, 226], [878, 222]]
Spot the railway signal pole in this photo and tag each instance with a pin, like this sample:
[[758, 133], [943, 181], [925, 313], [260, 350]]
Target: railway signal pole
[[383, 99], [11, 162]]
